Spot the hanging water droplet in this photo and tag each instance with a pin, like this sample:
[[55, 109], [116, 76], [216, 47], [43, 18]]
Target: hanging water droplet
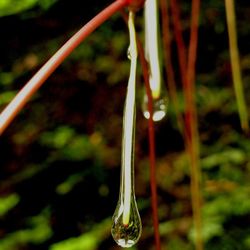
[[160, 105], [126, 235], [126, 222], [129, 53]]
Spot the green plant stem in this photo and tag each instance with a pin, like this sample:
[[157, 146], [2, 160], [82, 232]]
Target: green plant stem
[[191, 120], [15, 106], [234, 54]]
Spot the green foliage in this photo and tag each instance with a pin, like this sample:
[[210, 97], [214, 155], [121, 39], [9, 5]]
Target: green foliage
[[38, 230], [58, 138], [6, 97], [10, 7], [60, 157], [230, 156], [88, 241], [7, 203]]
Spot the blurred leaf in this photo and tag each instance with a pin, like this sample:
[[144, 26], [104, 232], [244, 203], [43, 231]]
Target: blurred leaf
[[7, 203], [38, 232], [88, 241], [212, 227], [10, 7], [228, 156], [68, 184], [58, 138], [6, 97], [6, 78], [235, 203]]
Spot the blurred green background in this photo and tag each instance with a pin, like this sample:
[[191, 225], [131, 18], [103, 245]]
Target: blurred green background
[[60, 158]]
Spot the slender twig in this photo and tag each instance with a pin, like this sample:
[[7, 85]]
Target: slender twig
[[151, 134], [191, 127], [50, 66], [234, 54], [191, 121], [181, 48], [168, 62]]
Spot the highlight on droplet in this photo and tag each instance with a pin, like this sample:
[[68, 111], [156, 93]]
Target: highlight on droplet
[[160, 106], [128, 53]]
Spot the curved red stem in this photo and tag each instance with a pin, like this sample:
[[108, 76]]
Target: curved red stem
[[15, 106]]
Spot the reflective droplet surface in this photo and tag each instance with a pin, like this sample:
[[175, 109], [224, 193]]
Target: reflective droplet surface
[[126, 235], [129, 53], [126, 222], [160, 106]]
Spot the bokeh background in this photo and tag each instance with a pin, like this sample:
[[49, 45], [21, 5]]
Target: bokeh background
[[60, 158]]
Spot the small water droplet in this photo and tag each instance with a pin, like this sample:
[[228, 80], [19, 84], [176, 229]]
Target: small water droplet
[[129, 53], [159, 107]]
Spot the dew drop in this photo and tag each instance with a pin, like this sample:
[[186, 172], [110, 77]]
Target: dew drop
[[159, 107], [129, 53], [126, 235]]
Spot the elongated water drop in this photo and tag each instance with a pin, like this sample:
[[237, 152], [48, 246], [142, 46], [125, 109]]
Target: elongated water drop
[[126, 223], [152, 55]]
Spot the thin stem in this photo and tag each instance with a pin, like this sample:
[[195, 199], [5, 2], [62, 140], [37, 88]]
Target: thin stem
[[191, 127], [234, 54], [168, 62], [191, 121], [181, 48], [151, 133], [41, 76]]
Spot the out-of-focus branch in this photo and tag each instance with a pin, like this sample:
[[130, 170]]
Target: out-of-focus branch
[[234, 54]]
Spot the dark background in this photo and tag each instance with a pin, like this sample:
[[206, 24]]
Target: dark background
[[60, 158]]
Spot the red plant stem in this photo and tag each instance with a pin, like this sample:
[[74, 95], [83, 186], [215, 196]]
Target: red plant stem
[[191, 128], [151, 134], [168, 62], [181, 48], [192, 53], [182, 57], [50, 66]]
